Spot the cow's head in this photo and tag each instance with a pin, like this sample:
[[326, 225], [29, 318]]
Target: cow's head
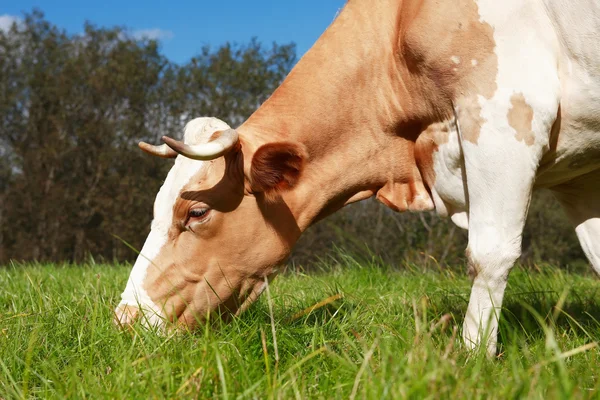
[[220, 228], [342, 127]]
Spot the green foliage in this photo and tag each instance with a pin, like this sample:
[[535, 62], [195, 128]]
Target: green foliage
[[382, 333], [73, 109]]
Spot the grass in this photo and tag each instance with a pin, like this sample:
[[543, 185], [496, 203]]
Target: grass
[[374, 332]]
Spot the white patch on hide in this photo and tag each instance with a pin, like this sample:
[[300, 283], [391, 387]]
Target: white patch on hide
[[197, 131]]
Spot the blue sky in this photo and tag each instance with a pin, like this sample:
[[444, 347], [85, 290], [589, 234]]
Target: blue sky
[[183, 27]]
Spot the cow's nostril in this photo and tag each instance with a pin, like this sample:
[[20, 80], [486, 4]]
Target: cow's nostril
[[125, 315]]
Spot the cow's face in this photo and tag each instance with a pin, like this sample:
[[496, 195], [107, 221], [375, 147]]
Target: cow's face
[[219, 231]]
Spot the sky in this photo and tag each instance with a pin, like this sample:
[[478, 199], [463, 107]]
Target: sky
[[184, 27]]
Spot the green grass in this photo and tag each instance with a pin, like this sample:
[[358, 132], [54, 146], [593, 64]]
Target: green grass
[[390, 334]]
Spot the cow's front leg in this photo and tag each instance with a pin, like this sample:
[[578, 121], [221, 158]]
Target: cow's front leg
[[503, 139]]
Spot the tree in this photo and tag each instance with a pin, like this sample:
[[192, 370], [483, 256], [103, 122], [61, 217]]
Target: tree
[[73, 109]]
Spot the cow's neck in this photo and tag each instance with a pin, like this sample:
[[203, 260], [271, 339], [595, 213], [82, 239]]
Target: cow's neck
[[358, 109]]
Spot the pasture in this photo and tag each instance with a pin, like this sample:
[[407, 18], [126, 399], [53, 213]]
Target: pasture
[[348, 330]]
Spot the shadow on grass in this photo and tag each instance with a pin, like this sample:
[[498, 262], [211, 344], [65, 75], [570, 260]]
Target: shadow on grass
[[528, 315], [579, 316], [302, 314]]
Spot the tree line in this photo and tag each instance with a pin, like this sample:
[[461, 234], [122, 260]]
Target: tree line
[[74, 185]]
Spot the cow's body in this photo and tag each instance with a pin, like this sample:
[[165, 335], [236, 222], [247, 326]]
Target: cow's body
[[463, 106]]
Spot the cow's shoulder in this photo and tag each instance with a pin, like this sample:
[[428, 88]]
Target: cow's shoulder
[[448, 44]]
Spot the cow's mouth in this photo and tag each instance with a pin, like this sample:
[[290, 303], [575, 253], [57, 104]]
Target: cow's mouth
[[187, 317]]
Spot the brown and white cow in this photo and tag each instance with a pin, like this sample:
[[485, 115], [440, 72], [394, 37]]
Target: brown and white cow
[[462, 106]]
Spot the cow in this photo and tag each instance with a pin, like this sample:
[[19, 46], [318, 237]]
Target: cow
[[459, 106]]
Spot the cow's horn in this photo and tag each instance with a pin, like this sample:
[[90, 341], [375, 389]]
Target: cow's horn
[[206, 151], [163, 150]]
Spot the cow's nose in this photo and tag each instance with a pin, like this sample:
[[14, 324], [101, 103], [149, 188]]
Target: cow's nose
[[125, 315]]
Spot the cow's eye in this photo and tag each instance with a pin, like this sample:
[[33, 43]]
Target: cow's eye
[[198, 213], [196, 217]]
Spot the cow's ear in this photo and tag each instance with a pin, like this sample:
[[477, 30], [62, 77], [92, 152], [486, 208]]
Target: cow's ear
[[276, 167]]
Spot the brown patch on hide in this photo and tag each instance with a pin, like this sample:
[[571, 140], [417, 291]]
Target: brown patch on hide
[[520, 118], [440, 46], [443, 39], [470, 119]]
